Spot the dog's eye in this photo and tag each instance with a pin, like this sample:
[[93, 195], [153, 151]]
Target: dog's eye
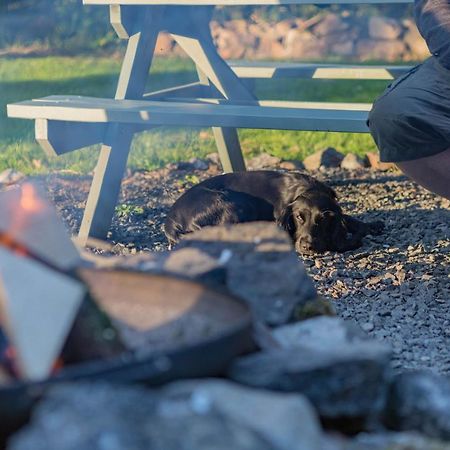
[[300, 218]]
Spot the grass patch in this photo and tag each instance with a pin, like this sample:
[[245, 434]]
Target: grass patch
[[26, 78]]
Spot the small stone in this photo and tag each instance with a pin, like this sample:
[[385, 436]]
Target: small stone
[[199, 164], [213, 158], [328, 157], [291, 164], [352, 162], [263, 161], [368, 326], [376, 164]]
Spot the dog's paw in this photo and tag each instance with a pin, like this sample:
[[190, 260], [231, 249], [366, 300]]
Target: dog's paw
[[376, 228]]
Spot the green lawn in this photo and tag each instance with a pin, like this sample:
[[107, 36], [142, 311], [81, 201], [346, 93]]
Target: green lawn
[[26, 78]]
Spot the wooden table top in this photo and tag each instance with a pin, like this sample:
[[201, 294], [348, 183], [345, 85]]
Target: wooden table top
[[236, 2]]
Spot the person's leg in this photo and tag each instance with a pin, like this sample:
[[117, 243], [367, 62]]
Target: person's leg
[[433, 172], [410, 124]]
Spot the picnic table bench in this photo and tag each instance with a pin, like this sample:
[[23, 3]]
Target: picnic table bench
[[220, 99]]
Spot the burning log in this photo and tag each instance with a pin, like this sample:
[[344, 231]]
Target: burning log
[[46, 311]]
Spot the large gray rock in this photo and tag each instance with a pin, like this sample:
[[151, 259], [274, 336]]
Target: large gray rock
[[343, 384], [420, 401], [262, 269], [328, 157], [285, 421], [195, 415], [88, 416], [255, 261]]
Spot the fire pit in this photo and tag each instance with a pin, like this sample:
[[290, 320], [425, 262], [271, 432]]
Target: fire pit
[[62, 321]]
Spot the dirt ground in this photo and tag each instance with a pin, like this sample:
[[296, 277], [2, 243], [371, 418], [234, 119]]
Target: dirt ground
[[397, 286]]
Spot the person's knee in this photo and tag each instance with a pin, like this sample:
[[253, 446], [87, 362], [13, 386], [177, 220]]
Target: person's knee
[[384, 119]]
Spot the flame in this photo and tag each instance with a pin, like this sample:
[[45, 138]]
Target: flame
[[29, 200]]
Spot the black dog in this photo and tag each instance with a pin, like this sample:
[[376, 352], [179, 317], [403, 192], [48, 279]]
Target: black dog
[[306, 208]]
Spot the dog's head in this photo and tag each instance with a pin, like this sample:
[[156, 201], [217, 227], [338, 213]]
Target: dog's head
[[316, 223]]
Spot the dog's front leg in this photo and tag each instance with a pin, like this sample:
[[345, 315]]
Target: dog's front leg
[[359, 228]]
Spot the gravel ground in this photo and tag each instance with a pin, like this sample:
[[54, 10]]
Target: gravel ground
[[397, 286]]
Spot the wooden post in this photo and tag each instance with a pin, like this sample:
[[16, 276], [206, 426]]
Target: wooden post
[[143, 32]]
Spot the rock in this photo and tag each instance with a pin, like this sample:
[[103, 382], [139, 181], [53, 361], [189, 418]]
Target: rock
[[11, 176], [255, 255], [420, 401], [344, 48], [164, 44], [382, 50], [285, 421], [214, 158], [415, 42], [199, 164], [269, 46], [196, 265], [133, 418], [263, 161], [193, 164], [375, 163], [302, 44], [282, 28], [346, 384], [117, 416], [229, 45], [291, 164], [330, 24], [319, 333], [394, 441], [384, 28], [352, 162], [328, 157]]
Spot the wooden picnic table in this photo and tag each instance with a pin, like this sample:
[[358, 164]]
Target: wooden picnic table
[[220, 99]]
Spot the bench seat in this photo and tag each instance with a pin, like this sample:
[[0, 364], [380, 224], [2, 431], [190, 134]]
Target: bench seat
[[313, 116], [274, 70]]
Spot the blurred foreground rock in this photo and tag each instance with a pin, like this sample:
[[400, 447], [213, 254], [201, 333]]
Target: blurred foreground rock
[[254, 261], [342, 373], [193, 415], [420, 401]]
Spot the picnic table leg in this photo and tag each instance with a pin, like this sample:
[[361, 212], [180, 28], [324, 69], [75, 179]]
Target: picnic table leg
[[198, 44], [227, 141], [112, 162]]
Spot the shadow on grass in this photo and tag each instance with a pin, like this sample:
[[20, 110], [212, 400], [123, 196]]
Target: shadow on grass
[[96, 86]]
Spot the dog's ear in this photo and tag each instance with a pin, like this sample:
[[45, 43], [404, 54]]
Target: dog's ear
[[329, 191], [285, 220]]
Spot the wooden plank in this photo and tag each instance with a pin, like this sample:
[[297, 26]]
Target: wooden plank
[[274, 70], [59, 137], [240, 2], [263, 114], [196, 89]]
